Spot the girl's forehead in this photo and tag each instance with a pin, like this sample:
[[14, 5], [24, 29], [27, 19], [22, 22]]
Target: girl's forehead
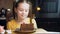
[[23, 5]]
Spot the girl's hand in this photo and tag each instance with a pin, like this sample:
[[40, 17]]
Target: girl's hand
[[1, 29]]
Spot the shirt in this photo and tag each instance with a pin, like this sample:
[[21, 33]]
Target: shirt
[[13, 25]]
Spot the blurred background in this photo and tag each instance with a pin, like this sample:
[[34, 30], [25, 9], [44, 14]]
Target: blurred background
[[46, 13]]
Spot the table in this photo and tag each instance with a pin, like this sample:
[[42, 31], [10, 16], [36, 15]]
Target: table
[[41, 31]]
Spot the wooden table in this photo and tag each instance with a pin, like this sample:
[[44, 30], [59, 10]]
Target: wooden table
[[39, 31], [42, 31]]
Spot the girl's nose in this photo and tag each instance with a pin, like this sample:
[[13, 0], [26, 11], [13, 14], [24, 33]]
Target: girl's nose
[[23, 12]]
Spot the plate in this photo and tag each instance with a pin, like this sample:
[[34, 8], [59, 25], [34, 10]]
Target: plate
[[26, 31]]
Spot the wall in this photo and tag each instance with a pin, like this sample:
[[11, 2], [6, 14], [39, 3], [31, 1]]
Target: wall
[[8, 4]]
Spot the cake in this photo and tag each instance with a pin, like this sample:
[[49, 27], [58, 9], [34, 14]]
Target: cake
[[27, 27]]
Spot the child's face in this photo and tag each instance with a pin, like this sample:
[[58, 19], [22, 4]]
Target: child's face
[[22, 10]]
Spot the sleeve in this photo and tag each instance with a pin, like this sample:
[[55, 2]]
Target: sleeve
[[8, 26], [34, 22]]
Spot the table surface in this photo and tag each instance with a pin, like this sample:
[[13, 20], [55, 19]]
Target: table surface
[[37, 31], [42, 31]]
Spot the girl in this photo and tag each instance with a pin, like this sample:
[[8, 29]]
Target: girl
[[21, 9]]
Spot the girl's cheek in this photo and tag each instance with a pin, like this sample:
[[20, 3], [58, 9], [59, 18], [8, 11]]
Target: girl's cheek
[[19, 12]]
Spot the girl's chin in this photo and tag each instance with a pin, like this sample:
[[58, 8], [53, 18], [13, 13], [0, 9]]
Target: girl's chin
[[23, 18]]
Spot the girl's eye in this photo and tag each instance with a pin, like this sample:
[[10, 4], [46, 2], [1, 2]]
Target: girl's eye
[[26, 10], [21, 10]]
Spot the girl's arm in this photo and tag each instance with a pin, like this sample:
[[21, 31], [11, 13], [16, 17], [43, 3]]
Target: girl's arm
[[9, 26], [34, 22]]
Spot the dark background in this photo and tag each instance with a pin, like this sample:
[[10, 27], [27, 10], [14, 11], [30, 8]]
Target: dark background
[[49, 15]]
